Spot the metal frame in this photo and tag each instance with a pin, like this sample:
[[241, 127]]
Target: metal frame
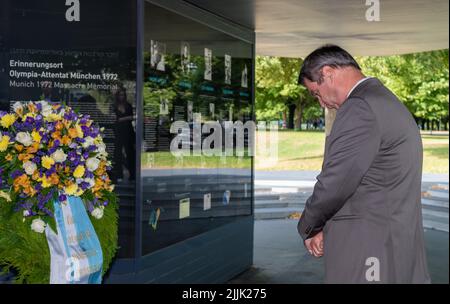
[[139, 126], [208, 19]]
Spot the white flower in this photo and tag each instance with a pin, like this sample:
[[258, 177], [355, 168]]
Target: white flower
[[98, 212], [17, 105], [26, 213], [88, 141], [24, 138], [46, 108], [59, 156], [90, 181], [29, 167], [101, 149], [38, 225], [92, 164]]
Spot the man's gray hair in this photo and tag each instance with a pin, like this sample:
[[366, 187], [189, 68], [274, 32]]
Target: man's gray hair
[[327, 55]]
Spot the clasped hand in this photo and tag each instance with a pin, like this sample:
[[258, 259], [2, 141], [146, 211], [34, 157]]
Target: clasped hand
[[314, 245]]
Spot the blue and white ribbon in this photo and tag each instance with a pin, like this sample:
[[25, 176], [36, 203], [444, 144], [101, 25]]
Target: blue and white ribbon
[[75, 252]]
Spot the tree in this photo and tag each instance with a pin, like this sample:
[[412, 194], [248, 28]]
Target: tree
[[277, 90], [420, 80]]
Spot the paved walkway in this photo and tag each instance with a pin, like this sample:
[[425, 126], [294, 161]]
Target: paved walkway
[[280, 257]]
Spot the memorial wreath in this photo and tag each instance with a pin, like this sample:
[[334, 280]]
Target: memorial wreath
[[58, 211]]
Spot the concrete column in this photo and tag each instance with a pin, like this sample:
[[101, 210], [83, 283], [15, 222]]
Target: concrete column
[[330, 115]]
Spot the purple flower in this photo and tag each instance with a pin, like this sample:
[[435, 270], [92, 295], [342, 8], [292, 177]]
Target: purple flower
[[16, 173], [62, 198], [29, 120], [45, 138], [52, 150], [72, 156], [39, 106], [85, 130], [36, 160], [48, 212]]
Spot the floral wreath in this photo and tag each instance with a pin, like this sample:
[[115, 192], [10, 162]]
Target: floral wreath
[[49, 152]]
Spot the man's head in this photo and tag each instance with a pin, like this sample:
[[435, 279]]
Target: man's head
[[329, 73]]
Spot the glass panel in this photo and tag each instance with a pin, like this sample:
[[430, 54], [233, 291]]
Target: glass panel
[[90, 64], [193, 76]]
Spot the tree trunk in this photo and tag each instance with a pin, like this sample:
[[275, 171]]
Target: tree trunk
[[299, 114], [291, 116], [284, 119]]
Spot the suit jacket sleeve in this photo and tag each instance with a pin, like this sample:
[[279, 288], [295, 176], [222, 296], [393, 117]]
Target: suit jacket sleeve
[[354, 143]]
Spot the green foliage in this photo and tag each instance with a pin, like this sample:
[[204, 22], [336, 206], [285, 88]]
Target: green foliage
[[420, 80], [27, 253], [277, 88]]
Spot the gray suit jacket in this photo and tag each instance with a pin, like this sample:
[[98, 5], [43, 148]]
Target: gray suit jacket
[[367, 199]]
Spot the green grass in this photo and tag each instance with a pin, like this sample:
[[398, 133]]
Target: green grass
[[165, 160], [297, 150], [303, 150], [435, 153]]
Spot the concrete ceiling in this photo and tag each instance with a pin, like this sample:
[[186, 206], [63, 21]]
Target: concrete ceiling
[[294, 28]]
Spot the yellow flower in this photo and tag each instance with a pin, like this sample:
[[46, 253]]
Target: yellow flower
[[5, 196], [71, 189], [79, 131], [4, 143], [36, 136], [79, 172], [45, 181], [53, 117], [8, 120], [47, 162]]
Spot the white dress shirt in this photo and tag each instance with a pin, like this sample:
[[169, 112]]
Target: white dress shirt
[[359, 82]]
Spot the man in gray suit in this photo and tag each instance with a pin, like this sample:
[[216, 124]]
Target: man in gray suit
[[365, 213]]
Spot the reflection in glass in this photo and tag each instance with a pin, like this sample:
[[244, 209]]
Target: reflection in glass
[[205, 79]]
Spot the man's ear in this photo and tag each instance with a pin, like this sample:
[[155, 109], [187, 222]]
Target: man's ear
[[328, 72]]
